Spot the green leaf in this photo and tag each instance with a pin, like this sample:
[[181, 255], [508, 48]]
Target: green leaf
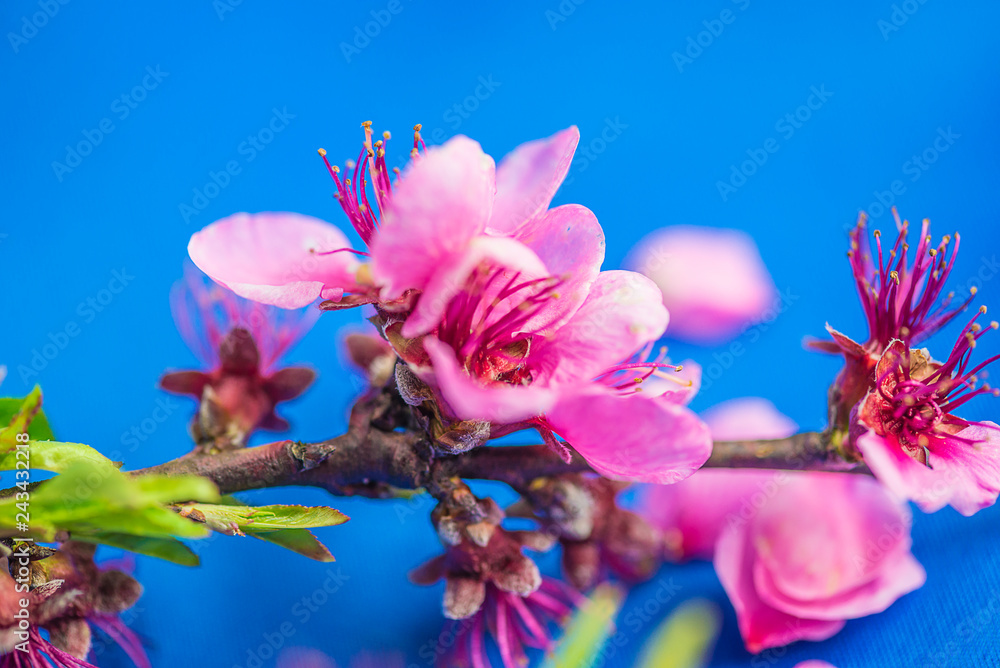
[[588, 630], [90, 497], [685, 638], [270, 518], [297, 540], [54, 456], [20, 415], [169, 549], [286, 526]]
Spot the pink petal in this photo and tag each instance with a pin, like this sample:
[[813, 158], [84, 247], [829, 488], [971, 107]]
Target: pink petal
[[275, 258], [900, 574], [973, 470], [528, 177], [470, 400], [700, 508], [813, 543], [622, 313], [441, 203], [813, 663], [714, 282], [570, 242], [449, 279], [904, 476], [632, 437], [760, 625], [748, 418]]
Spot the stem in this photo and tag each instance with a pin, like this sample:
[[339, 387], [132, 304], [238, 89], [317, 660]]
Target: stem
[[808, 451], [375, 462]]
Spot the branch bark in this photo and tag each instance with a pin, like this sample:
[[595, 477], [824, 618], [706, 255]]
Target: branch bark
[[374, 462]]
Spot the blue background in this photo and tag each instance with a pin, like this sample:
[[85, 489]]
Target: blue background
[[552, 64]]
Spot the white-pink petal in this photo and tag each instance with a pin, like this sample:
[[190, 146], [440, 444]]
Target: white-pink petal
[[281, 259], [528, 178], [632, 437], [713, 280], [442, 202]]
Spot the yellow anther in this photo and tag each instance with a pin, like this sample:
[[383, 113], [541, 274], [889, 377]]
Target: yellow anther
[[322, 152]]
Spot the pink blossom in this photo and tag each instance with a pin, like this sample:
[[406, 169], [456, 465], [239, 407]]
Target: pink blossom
[[900, 301], [427, 232], [792, 550], [810, 559], [579, 380], [515, 623], [814, 663], [714, 281], [911, 440], [239, 342]]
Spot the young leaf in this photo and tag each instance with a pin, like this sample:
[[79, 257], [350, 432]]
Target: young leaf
[[23, 415], [89, 497], [286, 526], [54, 456], [297, 540], [268, 518], [169, 549], [685, 639], [588, 630]]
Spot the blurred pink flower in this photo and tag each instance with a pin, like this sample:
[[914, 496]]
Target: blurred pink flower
[[911, 440], [239, 342], [693, 513], [798, 553], [714, 282], [814, 663]]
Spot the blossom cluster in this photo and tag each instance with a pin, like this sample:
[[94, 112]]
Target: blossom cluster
[[494, 316]]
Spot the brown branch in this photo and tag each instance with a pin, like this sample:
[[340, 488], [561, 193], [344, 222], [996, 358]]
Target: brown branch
[[808, 451], [373, 463]]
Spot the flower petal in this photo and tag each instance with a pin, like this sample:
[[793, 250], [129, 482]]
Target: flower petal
[[275, 258], [622, 313], [632, 437], [570, 242], [449, 279], [469, 400], [714, 281], [441, 203], [761, 625], [817, 557], [900, 574], [528, 177], [904, 476], [973, 469]]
